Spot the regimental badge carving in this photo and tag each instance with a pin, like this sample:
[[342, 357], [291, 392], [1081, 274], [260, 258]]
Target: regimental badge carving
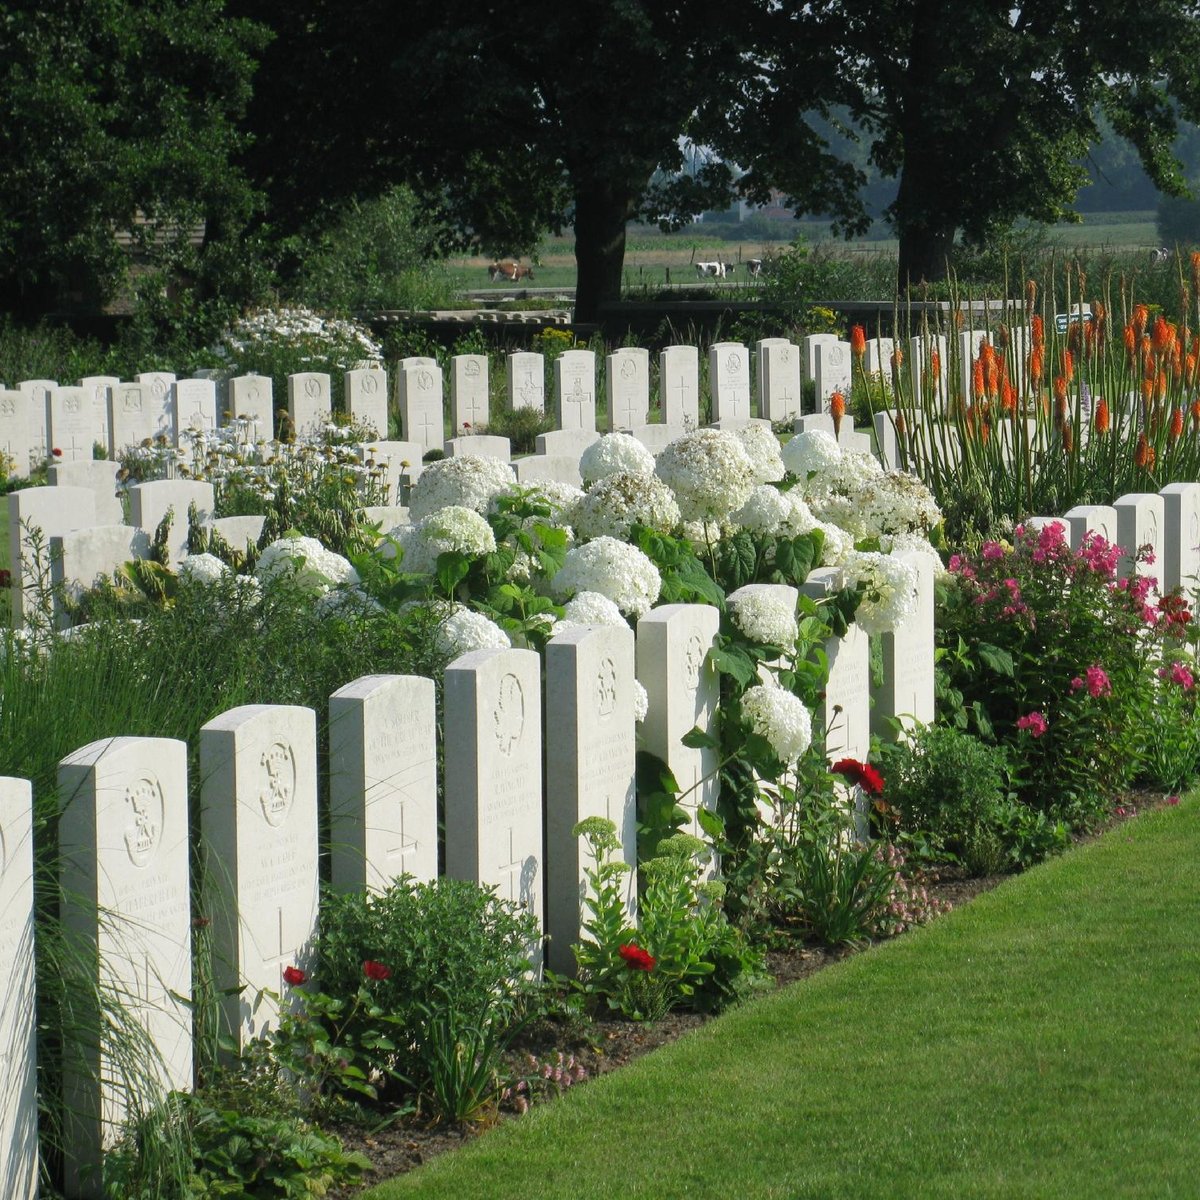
[[628, 368], [72, 404], [693, 662], [509, 715], [836, 356], [253, 393], [606, 688], [278, 783], [131, 400], [370, 385], [312, 388], [471, 370], [1151, 530], [8, 406], [143, 820], [424, 380], [733, 364]]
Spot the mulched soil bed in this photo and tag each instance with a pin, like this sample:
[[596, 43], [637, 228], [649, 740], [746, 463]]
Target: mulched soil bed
[[608, 1043]]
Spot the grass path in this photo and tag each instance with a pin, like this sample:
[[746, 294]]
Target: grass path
[[1042, 1041]]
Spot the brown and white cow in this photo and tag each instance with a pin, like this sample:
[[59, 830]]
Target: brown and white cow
[[509, 270]]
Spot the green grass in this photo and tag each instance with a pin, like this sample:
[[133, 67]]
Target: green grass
[[1041, 1041]]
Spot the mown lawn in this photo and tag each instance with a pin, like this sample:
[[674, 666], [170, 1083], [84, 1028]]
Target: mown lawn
[[1043, 1041]]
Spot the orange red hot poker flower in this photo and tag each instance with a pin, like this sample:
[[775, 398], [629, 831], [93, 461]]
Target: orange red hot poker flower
[[858, 340]]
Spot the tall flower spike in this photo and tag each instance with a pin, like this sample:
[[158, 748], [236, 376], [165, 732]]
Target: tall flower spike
[[858, 340]]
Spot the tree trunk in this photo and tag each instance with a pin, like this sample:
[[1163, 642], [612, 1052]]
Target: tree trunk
[[601, 214], [926, 232]]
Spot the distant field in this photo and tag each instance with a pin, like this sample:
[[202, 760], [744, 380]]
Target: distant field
[[653, 259]]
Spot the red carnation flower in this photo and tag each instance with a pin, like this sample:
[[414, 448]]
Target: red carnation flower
[[56, 452], [861, 773], [637, 959], [294, 977], [376, 970]]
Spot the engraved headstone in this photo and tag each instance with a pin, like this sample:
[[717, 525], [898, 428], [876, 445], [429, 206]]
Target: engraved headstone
[[575, 389], [729, 381], [149, 502], [567, 443], [1181, 536], [421, 417], [673, 641], [237, 531], [831, 371], [160, 399], [1090, 518], [132, 418], [561, 468], [15, 442], [906, 689], [310, 405], [469, 395], [1141, 519], [969, 341], [924, 353], [195, 408], [123, 854], [627, 387], [494, 775], [36, 515], [251, 401], [80, 557], [72, 425], [779, 392], [479, 445], [809, 348], [878, 357], [399, 464], [366, 400], [679, 386], [38, 391], [258, 816], [590, 769], [382, 782], [656, 438], [18, 1068], [526, 381]]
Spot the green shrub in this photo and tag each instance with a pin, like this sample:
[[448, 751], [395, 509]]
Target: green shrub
[[520, 425]]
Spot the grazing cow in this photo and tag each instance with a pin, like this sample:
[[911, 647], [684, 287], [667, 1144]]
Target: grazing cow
[[754, 266], [715, 270], [1159, 256], [512, 272]]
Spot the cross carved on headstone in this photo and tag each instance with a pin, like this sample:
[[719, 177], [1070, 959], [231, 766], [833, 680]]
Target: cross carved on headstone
[[511, 870], [397, 855], [623, 410], [426, 426], [284, 954]]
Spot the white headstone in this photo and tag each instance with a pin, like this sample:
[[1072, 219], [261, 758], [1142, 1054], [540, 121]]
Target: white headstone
[[400, 464], [80, 557], [926, 384], [679, 386], [560, 468], [382, 781], [99, 387], [160, 398], [673, 641], [52, 511], [627, 387], [1090, 518], [729, 381], [123, 851], [132, 419], [250, 400], [656, 438], [195, 405], [906, 691], [493, 747], [237, 531], [887, 438], [526, 381], [15, 441], [1141, 519], [590, 769], [479, 445], [810, 347], [831, 371], [421, 417], [258, 815], [469, 393], [366, 400], [568, 443], [575, 389], [71, 425], [149, 502], [878, 357], [969, 341], [779, 392], [310, 404], [38, 391], [18, 1067], [1181, 536], [158, 382]]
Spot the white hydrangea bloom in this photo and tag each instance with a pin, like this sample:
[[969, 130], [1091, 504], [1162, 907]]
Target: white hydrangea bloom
[[781, 718], [452, 528], [770, 511], [464, 630], [896, 503], [710, 473], [763, 448], [838, 544], [703, 533], [314, 567], [614, 569], [813, 452], [202, 568], [890, 590], [612, 453], [592, 608], [766, 616], [641, 702], [619, 501], [462, 481], [914, 543]]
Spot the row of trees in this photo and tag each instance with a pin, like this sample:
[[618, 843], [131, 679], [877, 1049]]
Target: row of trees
[[266, 120]]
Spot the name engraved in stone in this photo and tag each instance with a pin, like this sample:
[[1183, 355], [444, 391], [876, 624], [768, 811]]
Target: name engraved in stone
[[155, 894], [273, 872], [608, 755], [507, 793]]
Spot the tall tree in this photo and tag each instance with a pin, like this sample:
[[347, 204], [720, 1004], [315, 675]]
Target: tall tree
[[515, 118], [983, 109], [115, 113]]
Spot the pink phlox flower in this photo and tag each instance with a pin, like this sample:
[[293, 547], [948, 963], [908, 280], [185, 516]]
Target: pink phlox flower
[[961, 566], [1076, 683], [992, 551], [1182, 676], [1035, 723], [1098, 682], [1100, 555]]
